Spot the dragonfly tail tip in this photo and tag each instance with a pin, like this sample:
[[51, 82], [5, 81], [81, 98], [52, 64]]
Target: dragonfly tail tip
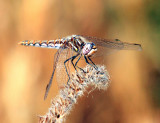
[[21, 43]]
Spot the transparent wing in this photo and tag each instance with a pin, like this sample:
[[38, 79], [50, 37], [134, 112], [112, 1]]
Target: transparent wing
[[56, 58], [61, 73], [113, 44], [109, 46]]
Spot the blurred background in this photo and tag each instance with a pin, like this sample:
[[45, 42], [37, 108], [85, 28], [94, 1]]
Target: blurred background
[[134, 92]]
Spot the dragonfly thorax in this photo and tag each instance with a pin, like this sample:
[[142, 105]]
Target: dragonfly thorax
[[89, 49]]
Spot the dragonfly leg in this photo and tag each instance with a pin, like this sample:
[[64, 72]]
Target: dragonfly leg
[[93, 65], [72, 58], [78, 60], [77, 63], [73, 63]]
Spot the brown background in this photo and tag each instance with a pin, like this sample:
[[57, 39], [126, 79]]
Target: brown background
[[134, 94]]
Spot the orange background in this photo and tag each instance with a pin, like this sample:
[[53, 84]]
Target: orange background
[[134, 93]]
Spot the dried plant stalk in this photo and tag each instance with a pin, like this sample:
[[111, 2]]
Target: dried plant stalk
[[63, 103]]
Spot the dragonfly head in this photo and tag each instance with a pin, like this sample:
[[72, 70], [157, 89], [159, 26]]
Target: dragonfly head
[[89, 49]]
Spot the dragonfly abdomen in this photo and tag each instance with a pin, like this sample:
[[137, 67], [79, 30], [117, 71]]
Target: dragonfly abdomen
[[56, 44]]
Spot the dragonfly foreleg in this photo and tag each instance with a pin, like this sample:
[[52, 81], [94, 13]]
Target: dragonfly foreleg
[[93, 65], [73, 63], [78, 60], [72, 58], [77, 63]]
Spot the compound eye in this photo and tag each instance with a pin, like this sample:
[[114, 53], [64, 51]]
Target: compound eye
[[92, 44]]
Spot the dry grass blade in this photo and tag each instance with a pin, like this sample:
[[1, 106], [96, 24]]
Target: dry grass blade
[[63, 103]]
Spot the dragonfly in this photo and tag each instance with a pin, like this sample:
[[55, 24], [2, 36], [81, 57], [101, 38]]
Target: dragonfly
[[78, 46]]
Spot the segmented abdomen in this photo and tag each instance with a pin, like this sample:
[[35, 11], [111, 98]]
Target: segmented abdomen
[[43, 43]]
